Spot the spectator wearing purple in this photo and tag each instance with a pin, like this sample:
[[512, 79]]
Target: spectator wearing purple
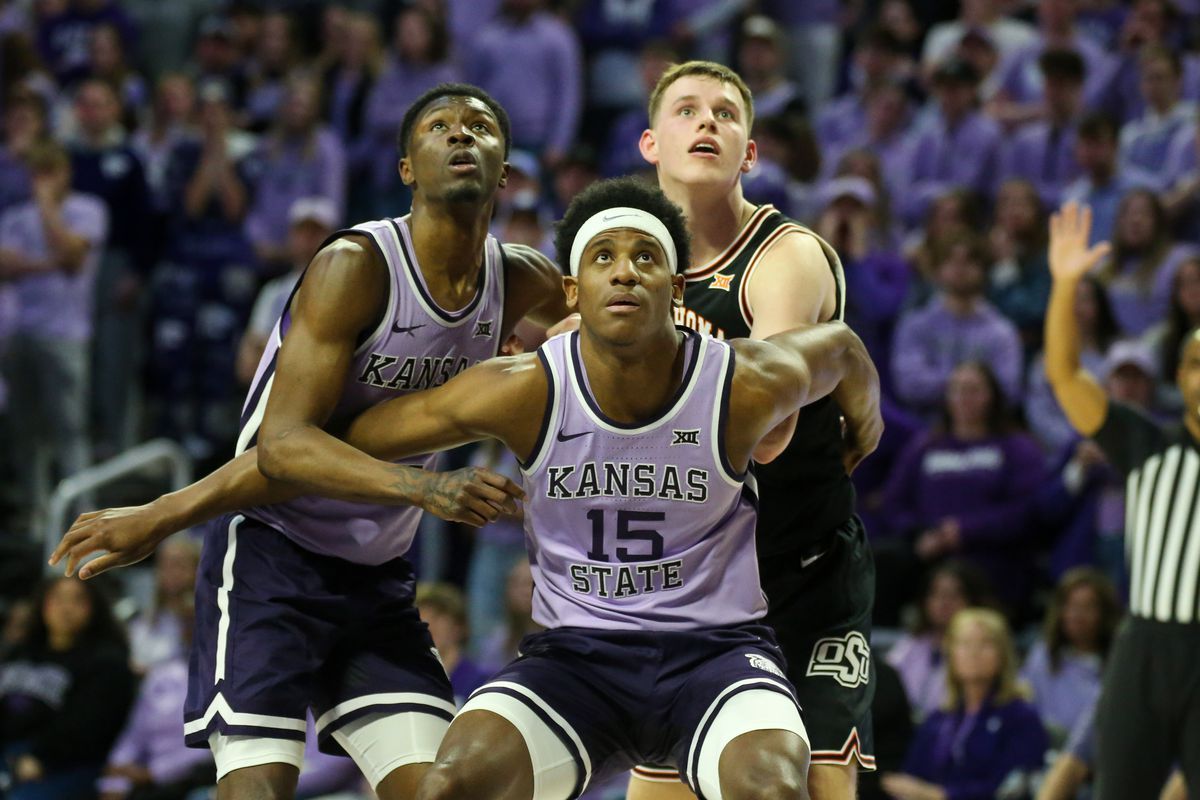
[[348, 79], [875, 61], [1044, 151], [109, 62], [149, 759], [1023, 76], [761, 65], [541, 90], [966, 488], [814, 44], [49, 253], [613, 35], [917, 656], [876, 276], [444, 609], [65, 692], [24, 126], [952, 215], [1065, 666], [1010, 35], [1139, 274], [959, 147], [622, 154], [419, 59], [884, 131], [276, 55], [1146, 142], [300, 158], [958, 324], [986, 734], [64, 36], [1019, 280], [1182, 198], [1097, 331], [1101, 185]]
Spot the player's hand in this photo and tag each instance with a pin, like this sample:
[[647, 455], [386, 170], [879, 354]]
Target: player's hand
[[473, 495], [1070, 256], [127, 535], [567, 323]]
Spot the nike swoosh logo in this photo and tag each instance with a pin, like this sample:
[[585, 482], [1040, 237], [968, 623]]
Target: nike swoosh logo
[[804, 562], [566, 437], [409, 330], [616, 216]]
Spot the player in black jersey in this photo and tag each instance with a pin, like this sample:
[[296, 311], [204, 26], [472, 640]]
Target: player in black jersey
[[754, 273]]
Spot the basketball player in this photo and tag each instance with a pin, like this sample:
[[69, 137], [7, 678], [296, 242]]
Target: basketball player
[[305, 601], [753, 273], [635, 440]]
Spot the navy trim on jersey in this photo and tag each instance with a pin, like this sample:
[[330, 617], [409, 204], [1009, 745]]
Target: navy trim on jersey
[[551, 724], [585, 390], [694, 763], [723, 421], [544, 430], [256, 395], [410, 263]]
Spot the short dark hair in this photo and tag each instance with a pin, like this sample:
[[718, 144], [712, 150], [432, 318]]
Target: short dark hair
[[631, 192], [1062, 64], [1098, 125], [452, 90]]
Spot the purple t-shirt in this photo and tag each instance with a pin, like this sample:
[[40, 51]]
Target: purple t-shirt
[[56, 304]]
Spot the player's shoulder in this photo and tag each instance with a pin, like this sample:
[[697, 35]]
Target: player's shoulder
[[523, 259]]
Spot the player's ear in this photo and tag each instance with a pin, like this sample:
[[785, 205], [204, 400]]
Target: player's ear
[[678, 284], [406, 171], [648, 145], [571, 288], [751, 157], [504, 175]]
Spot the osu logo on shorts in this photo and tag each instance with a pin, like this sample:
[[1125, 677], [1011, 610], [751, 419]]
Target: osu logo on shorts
[[846, 659]]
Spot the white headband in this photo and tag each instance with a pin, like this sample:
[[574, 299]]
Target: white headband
[[623, 217]]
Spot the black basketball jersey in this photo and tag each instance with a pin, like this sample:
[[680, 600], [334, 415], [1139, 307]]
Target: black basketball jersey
[[804, 494]]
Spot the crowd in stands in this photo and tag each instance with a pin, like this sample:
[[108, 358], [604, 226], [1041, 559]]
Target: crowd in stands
[[167, 169]]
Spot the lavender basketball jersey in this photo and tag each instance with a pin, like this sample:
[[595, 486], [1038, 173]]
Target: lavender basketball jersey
[[417, 345], [640, 526]]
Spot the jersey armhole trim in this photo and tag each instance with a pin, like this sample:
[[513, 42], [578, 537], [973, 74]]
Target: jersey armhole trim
[[721, 423], [501, 260], [760, 253], [541, 445]]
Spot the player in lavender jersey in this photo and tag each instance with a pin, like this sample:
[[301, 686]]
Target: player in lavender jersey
[[635, 448], [306, 602]]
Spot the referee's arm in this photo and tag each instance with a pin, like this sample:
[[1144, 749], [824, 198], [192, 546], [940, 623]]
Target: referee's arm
[[1081, 398]]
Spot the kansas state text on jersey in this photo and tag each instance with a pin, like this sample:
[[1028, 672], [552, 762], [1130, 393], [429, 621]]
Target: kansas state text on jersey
[[416, 346], [640, 526]]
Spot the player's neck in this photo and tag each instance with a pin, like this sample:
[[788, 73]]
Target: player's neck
[[448, 242], [653, 367], [714, 219]]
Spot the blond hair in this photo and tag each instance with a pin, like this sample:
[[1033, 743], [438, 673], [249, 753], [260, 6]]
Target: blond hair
[[703, 69], [1006, 687]]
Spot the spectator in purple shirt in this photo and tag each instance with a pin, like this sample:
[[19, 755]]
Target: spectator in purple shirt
[[529, 60], [1101, 185], [419, 59], [958, 324], [885, 130], [876, 59], [49, 253], [1144, 259], [960, 146], [444, 609], [24, 126], [159, 633], [917, 656], [761, 64], [622, 154], [966, 488], [64, 35], [1065, 666], [1146, 141], [1019, 284], [1044, 151], [986, 734], [300, 158]]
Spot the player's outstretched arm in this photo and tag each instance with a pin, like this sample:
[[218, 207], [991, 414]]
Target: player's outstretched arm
[[1081, 398], [789, 370], [535, 288]]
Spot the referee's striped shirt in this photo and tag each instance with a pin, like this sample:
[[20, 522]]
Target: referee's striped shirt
[[1162, 518]]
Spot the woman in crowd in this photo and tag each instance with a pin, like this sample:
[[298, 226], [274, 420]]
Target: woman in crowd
[[966, 488], [951, 215], [918, 656], [444, 609], [986, 735], [1144, 260], [1166, 337], [1064, 668], [64, 694]]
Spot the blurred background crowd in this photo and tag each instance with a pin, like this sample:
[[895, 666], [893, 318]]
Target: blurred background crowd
[[168, 168]]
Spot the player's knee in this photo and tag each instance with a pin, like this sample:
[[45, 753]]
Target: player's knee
[[445, 782]]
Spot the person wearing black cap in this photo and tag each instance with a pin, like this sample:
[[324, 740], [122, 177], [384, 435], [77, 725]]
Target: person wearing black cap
[[1149, 712], [960, 149]]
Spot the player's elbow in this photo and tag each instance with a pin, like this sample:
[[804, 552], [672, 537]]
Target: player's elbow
[[274, 461]]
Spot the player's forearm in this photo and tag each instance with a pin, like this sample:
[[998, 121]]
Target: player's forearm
[[837, 363], [236, 485], [314, 462]]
